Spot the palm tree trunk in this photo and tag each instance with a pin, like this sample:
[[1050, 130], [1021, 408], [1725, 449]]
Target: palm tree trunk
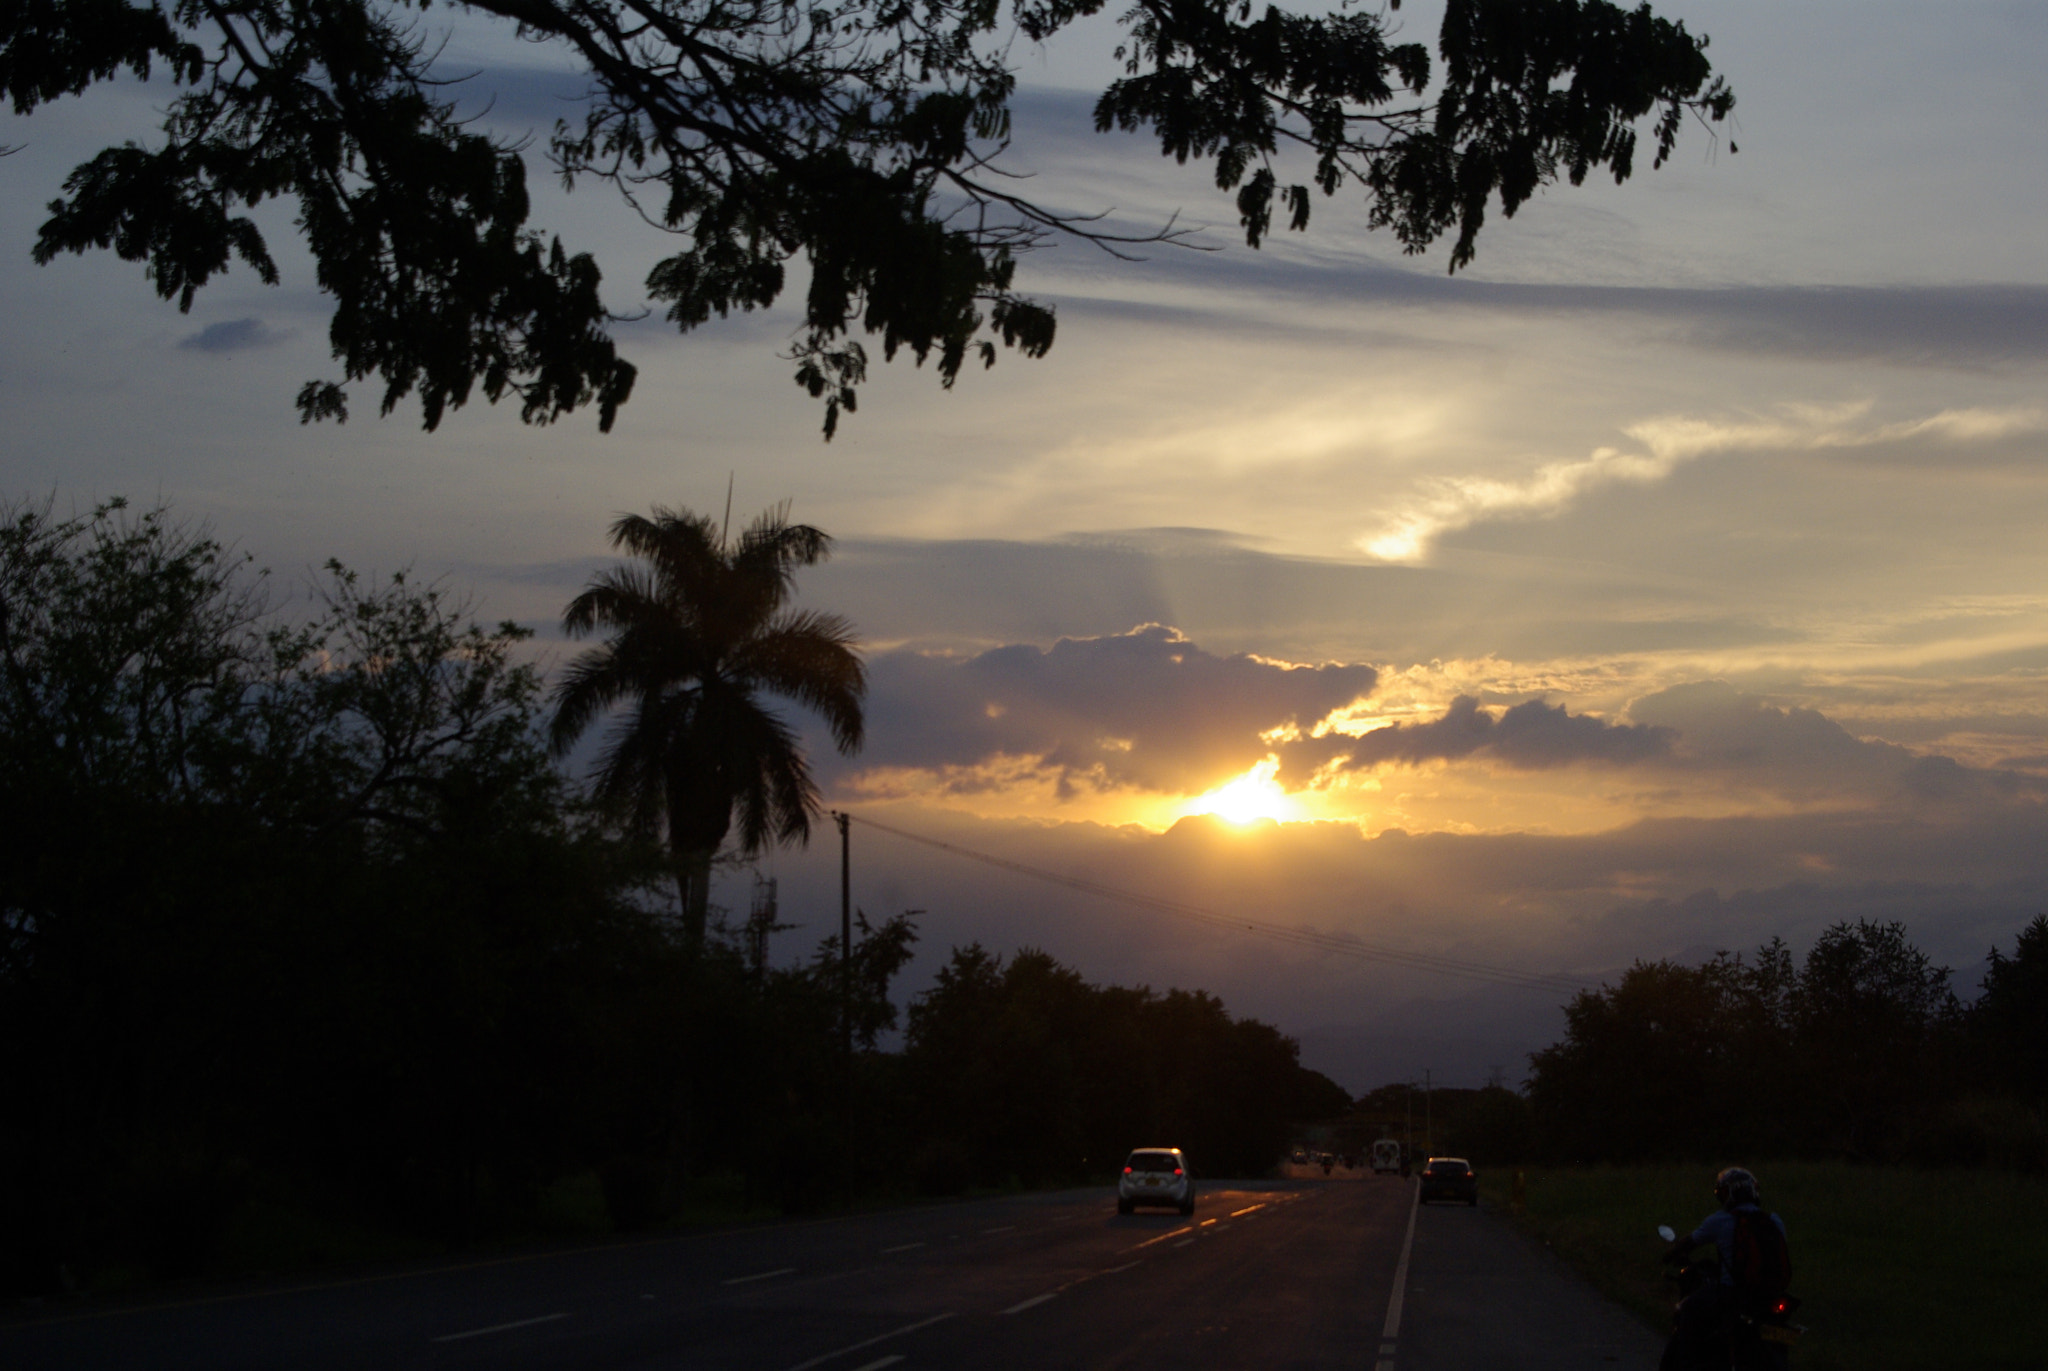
[[693, 886]]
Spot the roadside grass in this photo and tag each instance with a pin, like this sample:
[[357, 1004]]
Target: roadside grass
[[1900, 1269]]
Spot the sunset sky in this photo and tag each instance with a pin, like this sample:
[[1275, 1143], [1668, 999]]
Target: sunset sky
[[1671, 579]]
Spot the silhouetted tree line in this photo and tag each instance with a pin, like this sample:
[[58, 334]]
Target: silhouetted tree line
[[300, 924], [1860, 1052], [1024, 1070]]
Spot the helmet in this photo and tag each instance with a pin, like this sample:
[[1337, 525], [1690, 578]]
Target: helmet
[[1735, 1186]]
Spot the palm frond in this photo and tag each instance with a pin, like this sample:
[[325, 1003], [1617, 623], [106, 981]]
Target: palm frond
[[619, 597], [809, 658], [698, 630]]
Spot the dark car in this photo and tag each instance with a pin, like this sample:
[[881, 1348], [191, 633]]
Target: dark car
[[1449, 1178]]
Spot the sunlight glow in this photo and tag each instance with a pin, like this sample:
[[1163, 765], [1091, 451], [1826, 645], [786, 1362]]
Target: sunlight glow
[[1250, 798]]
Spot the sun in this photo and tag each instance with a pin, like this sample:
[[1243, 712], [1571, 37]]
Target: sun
[[1250, 798]]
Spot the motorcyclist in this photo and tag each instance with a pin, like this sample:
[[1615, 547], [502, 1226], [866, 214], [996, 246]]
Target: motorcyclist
[[1699, 1331]]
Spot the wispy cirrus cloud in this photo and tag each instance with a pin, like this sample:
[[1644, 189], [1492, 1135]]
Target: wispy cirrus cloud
[[1446, 504]]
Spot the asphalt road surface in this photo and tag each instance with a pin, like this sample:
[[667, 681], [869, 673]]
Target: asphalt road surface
[[1277, 1275]]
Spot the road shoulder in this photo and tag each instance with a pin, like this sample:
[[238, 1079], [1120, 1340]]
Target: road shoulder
[[1483, 1294]]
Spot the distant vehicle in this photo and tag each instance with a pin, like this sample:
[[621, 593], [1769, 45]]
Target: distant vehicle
[[1300, 1157], [1156, 1176], [1449, 1178], [1386, 1156]]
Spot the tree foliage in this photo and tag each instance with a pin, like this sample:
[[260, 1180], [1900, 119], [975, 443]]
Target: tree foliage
[[1851, 1053], [700, 631], [2011, 1018], [1022, 1069], [865, 137], [281, 898]]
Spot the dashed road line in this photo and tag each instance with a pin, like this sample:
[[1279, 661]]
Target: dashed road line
[[1207, 1222], [901, 1247], [881, 1362], [1189, 1242], [1034, 1301], [1149, 1241], [499, 1328], [1006, 1228], [870, 1342], [1242, 1212], [1125, 1267], [759, 1276]]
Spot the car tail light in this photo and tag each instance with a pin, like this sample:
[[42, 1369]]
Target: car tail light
[[1127, 1171], [1176, 1171], [1779, 1307]]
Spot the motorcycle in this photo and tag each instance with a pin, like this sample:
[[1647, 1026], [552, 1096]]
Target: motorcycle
[[1742, 1340]]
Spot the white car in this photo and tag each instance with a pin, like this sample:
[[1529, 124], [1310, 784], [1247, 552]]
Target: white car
[[1156, 1175]]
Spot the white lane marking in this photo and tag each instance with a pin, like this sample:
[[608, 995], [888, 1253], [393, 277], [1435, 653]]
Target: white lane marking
[[881, 1362], [901, 1247], [1114, 1269], [1190, 1242], [760, 1276], [647, 1297], [1393, 1330], [499, 1328], [1149, 1241], [1006, 1228], [1242, 1212], [1034, 1300], [870, 1342]]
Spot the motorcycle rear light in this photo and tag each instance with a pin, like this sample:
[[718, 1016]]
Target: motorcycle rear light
[[1779, 1307]]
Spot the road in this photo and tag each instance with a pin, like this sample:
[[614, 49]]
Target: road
[[1287, 1275]]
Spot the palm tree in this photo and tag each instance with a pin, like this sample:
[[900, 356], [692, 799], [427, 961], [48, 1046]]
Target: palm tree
[[699, 630]]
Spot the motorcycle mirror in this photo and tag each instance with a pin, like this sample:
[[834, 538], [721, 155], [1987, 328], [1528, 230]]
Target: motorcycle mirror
[[1664, 1232]]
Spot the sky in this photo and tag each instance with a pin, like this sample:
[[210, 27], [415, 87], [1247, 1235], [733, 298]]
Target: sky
[[1667, 581]]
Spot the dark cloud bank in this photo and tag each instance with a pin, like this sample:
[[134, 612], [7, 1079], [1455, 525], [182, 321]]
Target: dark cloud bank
[[1531, 736], [233, 335], [1146, 709]]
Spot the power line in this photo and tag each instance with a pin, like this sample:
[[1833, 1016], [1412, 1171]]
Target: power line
[[1341, 945]]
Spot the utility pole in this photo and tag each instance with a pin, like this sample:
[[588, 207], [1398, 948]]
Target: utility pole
[[1428, 1113], [840, 817]]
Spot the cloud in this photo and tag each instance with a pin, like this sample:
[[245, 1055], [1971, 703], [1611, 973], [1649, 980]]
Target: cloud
[[233, 335], [1974, 327], [1531, 736], [1146, 710], [1446, 504], [1695, 749], [1804, 755]]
